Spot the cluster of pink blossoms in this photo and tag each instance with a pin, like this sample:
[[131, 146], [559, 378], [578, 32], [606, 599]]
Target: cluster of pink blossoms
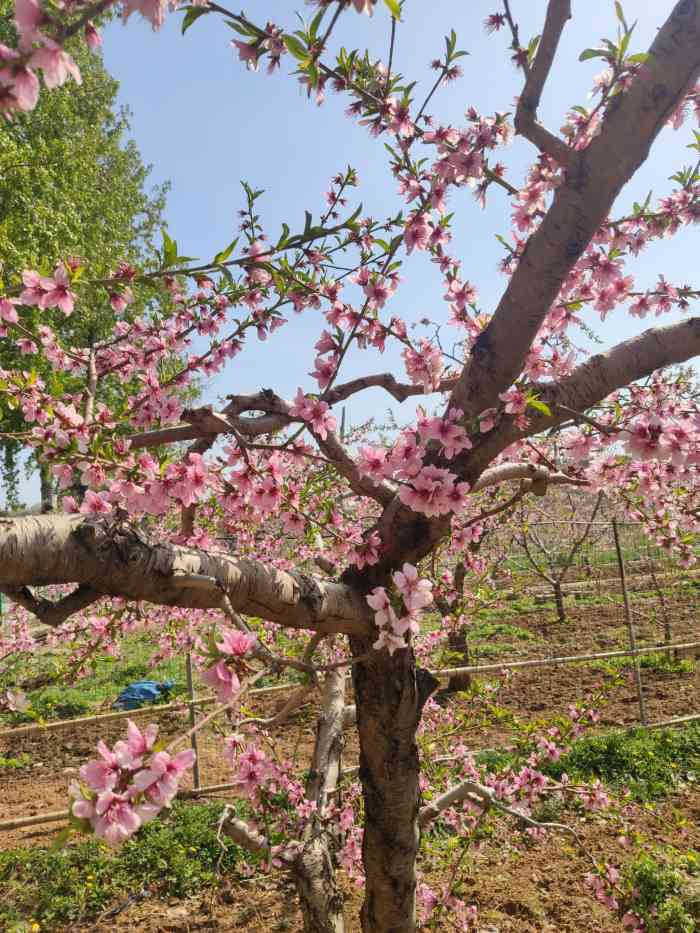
[[121, 790], [416, 594], [19, 84], [230, 652], [316, 413], [427, 489], [41, 291]]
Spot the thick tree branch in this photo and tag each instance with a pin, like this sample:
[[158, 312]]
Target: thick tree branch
[[558, 12], [345, 465], [115, 559], [523, 471], [594, 380], [485, 798], [581, 204], [321, 901], [398, 390], [205, 422], [47, 611]]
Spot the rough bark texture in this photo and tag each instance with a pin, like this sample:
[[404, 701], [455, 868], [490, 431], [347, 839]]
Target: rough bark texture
[[390, 694], [314, 874], [115, 559], [590, 383]]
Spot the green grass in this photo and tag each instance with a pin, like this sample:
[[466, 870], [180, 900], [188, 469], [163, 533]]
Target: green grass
[[652, 764], [171, 857], [107, 678], [487, 630], [660, 663], [655, 886]]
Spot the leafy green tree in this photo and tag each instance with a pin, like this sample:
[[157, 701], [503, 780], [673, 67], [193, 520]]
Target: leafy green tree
[[72, 184]]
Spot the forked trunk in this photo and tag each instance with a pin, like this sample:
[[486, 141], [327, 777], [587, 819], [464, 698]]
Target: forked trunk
[[390, 695]]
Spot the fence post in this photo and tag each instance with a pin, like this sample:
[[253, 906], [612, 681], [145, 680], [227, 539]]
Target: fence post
[[193, 721], [630, 624]]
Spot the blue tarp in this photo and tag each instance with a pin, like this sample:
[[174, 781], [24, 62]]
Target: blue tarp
[[142, 692]]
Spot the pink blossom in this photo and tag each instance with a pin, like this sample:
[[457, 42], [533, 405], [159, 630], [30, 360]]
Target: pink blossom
[[159, 781], [24, 86], [152, 10], [92, 37], [248, 53], [130, 754], [223, 681], [95, 504], [8, 312], [57, 292], [236, 643], [28, 17], [115, 818], [101, 775], [372, 462], [416, 593], [17, 701], [56, 64]]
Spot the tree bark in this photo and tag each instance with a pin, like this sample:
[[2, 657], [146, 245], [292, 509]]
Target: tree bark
[[390, 694], [321, 901], [113, 558], [48, 492], [559, 601]]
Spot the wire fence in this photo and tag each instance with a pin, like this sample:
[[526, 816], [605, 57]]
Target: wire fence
[[592, 590]]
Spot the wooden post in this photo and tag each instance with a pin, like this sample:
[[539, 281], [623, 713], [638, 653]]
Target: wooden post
[[630, 624], [193, 722]]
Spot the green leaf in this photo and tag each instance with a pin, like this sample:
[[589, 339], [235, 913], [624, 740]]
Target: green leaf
[[620, 15], [624, 44], [192, 14], [540, 406], [169, 249], [285, 236], [394, 8], [225, 253], [296, 48], [639, 58], [316, 22], [593, 53]]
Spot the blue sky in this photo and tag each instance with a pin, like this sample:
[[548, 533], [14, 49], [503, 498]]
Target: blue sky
[[204, 123]]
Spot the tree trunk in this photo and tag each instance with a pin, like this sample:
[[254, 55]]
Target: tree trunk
[[559, 601], [457, 641], [320, 900], [314, 875], [390, 694], [48, 493]]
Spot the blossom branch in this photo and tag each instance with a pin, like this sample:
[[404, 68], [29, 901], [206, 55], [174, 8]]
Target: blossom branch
[[486, 798]]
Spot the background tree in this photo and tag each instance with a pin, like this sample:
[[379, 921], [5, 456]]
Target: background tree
[[72, 184], [552, 538]]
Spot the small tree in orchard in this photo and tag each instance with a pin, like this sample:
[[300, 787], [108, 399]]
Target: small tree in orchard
[[341, 541], [551, 540]]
